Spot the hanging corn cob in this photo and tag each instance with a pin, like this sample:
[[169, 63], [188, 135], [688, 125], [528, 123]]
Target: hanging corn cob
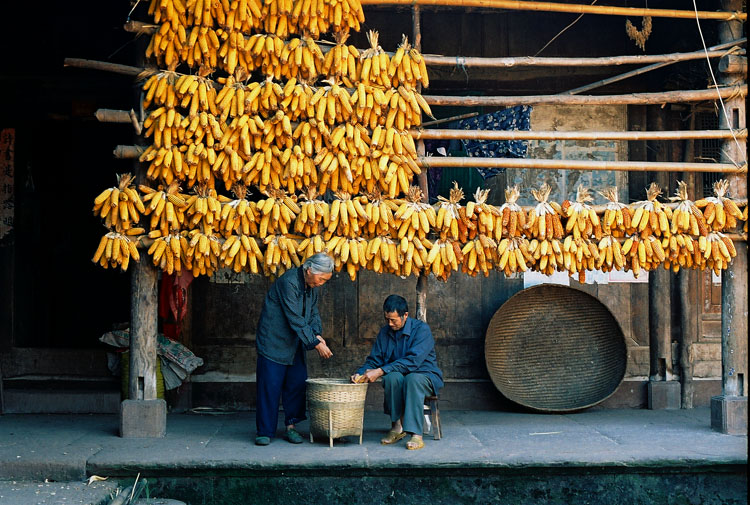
[[684, 252], [477, 255], [241, 253], [280, 255], [512, 219], [718, 250], [642, 253], [582, 219], [442, 258], [116, 249], [610, 254], [379, 211], [479, 213], [382, 255], [375, 63], [687, 217], [276, 213], [341, 60], [313, 217], [544, 226], [744, 217], [543, 221], [414, 217], [407, 67], [514, 255], [721, 212], [347, 216], [239, 215], [203, 207], [579, 254], [204, 249], [617, 216], [650, 217], [120, 206], [448, 220], [167, 252], [166, 208], [348, 253]]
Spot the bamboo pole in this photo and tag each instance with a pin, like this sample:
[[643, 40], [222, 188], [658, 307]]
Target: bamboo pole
[[434, 60], [631, 166], [419, 134], [627, 99], [633, 73], [561, 7]]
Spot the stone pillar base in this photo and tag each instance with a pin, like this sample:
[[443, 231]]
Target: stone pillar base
[[664, 395], [143, 419], [729, 414]]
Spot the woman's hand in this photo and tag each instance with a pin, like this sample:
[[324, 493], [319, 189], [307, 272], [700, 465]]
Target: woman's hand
[[323, 350]]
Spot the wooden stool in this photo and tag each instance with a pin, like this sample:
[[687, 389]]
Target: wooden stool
[[432, 411]]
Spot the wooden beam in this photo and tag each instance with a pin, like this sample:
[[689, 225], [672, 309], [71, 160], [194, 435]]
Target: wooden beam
[[632, 166], [628, 99], [573, 135], [102, 65], [562, 7]]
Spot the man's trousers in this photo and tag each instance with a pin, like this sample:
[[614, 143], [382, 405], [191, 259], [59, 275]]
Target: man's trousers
[[404, 398]]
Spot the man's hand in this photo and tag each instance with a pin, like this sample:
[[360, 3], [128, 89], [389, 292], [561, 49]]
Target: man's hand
[[372, 375], [323, 349]]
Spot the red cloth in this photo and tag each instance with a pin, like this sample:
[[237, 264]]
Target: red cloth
[[173, 301]]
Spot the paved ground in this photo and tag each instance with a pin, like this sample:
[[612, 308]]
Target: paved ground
[[70, 448]]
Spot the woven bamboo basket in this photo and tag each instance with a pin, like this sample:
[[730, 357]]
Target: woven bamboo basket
[[555, 349], [337, 408]]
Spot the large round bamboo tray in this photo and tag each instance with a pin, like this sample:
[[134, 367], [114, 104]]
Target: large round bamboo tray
[[555, 349], [337, 408]]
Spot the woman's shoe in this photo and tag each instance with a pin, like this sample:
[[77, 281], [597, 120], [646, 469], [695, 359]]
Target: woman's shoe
[[293, 436], [262, 440]]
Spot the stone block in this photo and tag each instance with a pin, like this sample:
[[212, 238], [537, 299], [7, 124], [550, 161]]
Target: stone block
[[729, 414], [664, 395], [143, 419]]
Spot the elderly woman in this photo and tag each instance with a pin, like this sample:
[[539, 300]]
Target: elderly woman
[[289, 325]]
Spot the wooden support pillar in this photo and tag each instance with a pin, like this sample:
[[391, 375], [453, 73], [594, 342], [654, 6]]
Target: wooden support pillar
[[422, 285], [687, 287], [143, 415], [663, 390], [729, 411]]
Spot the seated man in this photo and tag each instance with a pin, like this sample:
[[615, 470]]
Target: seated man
[[404, 355]]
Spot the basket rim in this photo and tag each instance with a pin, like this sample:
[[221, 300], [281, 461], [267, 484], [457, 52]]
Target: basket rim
[[334, 382], [569, 409]]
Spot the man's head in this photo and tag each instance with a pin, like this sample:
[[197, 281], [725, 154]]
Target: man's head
[[317, 269], [395, 311]]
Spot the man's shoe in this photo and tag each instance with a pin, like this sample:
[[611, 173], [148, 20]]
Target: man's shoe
[[392, 437], [293, 436], [262, 440], [415, 443]]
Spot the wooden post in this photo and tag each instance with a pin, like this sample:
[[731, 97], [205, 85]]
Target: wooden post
[[143, 415], [422, 285], [687, 282], [663, 391], [729, 411]]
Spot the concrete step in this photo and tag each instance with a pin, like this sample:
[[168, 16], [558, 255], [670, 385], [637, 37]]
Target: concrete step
[[61, 395]]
